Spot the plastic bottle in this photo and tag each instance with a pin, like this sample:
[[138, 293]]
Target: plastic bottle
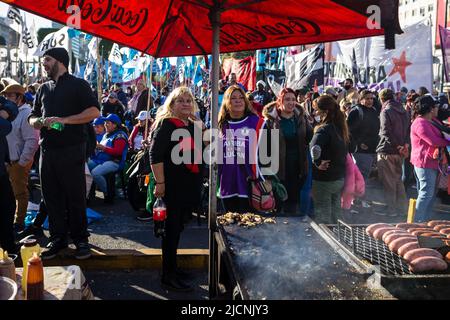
[[35, 278], [7, 267], [29, 247], [57, 126], [159, 217]]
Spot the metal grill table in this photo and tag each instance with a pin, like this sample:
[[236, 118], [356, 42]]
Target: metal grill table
[[376, 252], [387, 269]]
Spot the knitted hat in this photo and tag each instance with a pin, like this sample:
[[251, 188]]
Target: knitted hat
[[59, 54]]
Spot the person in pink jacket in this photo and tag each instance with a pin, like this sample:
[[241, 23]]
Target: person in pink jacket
[[354, 185], [425, 139]]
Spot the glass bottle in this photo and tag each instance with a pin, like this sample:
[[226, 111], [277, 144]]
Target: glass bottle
[[35, 278]]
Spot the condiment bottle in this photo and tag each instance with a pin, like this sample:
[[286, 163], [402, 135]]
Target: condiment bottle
[[29, 247], [7, 267], [35, 278]]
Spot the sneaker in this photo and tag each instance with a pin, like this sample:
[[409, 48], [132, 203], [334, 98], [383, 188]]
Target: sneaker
[[392, 214], [144, 216], [53, 248], [83, 251], [366, 204], [174, 284], [18, 228], [353, 211], [31, 230], [380, 213]]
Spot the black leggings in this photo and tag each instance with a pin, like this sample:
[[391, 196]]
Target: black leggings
[[7, 210]]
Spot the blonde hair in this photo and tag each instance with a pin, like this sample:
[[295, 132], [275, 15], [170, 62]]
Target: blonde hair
[[166, 110], [224, 113]]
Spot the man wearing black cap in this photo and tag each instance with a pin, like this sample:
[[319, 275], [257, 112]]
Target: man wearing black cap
[[67, 100]]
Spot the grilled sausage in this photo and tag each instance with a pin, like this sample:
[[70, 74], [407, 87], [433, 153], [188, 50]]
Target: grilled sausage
[[447, 257], [406, 225], [396, 230], [391, 237], [431, 234], [429, 229], [445, 231], [421, 252], [397, 243], [423, 264], [378, 233], [420, 232], [433, 223], [408, 247], [371, 228], [439, 227]]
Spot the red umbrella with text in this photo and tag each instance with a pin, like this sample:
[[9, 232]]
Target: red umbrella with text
[[165, 28]]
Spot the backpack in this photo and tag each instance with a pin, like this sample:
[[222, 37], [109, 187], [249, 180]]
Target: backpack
[[262, 198]]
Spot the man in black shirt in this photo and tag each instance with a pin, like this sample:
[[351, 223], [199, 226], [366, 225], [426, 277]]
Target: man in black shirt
[[66, 100]]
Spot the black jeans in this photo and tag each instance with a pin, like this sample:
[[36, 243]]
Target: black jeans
[[64, 191], [174, 226], [7, 210]]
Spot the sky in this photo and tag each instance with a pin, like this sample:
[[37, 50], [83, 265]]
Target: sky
[[40, 22]]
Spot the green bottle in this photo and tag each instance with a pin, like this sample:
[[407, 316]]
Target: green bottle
[[57, 126]]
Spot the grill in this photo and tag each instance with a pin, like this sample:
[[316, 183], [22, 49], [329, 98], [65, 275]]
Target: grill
[[387, 269], [366, 247]]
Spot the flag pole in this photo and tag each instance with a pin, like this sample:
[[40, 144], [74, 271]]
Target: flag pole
[[99, 74], [149, 84], [442, 49]]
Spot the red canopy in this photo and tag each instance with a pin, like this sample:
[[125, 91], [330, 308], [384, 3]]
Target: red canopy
[[182, 27]]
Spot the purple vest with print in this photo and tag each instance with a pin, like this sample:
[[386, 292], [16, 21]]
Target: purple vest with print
[[238, 140]]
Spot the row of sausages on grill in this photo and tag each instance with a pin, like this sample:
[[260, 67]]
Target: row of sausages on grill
[[402, 239]]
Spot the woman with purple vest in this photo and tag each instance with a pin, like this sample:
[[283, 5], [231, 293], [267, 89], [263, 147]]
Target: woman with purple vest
[[238, 123], [112, 153], [426, 139]]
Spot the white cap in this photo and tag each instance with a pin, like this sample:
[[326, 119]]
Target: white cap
[[142, 116]]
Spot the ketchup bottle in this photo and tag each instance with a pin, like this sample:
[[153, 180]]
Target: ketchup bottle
[[159, 217]]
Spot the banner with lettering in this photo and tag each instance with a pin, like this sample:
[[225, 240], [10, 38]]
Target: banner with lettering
[[275, 79], [370, 65], [165, 28], [304, 68], [56, 39], [245, 70], [445, 46]]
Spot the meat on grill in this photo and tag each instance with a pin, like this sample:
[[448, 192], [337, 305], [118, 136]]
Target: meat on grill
[[429, 229], [445, 231], [439, 227], [408, 247], [447, 257], [421, 252], [393, 236], [433, 223], [397, 243], [406, 226], [371, 228], [378, 233], [420, 232], [424, 264]]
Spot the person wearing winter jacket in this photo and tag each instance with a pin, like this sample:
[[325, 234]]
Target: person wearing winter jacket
[[295, 133], [426, 139], [392, 148]]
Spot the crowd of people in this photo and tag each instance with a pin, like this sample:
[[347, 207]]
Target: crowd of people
[[393, 135]]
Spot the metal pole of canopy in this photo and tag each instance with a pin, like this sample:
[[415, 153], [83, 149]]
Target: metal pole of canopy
[[214, 16]]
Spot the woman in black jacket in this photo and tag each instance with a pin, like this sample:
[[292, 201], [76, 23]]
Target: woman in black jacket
[[295, 133], [179, 184], [329, 148]]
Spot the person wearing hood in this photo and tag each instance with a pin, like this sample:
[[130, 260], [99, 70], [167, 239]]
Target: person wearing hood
[[392, 148], [294, 136], [260, 95], [426, 140]]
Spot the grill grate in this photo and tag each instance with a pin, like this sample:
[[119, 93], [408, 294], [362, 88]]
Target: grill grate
[[366, 247]]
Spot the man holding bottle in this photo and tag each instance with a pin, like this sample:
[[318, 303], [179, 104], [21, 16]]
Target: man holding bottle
[[69, 101]]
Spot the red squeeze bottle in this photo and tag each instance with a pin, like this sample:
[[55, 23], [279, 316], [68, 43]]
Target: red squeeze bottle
[[35, 278], [159, 218]]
